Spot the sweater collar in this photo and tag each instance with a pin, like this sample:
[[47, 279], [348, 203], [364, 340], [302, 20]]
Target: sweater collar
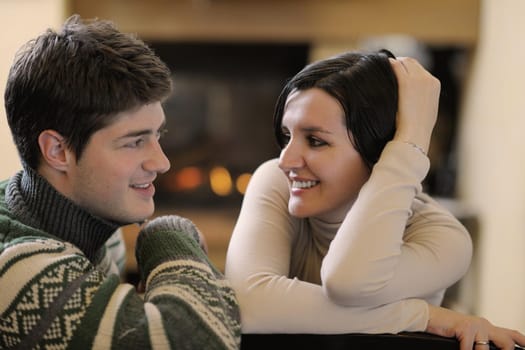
[[33, 201]]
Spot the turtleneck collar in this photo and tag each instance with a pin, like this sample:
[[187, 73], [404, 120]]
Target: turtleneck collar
[[33, 201], [310, 247]]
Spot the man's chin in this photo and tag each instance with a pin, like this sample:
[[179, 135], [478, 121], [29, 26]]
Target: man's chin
[[135, 218], [142, 218]]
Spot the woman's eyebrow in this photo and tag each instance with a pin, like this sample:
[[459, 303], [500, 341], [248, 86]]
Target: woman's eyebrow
[[316, 129]]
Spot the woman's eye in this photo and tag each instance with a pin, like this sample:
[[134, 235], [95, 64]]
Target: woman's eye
[[315, 142], [285, 137]]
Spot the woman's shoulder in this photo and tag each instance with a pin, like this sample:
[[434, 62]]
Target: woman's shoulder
[[269, 166], [269, 173], [268, 184]]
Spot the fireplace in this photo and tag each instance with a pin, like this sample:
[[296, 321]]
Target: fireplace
[[219, 122], [219, 118]]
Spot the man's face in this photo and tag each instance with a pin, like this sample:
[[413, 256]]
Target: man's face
[[113, 179]]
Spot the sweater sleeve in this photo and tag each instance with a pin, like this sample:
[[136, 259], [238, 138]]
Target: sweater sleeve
[[258, 262], [53, 296], [395, 242]]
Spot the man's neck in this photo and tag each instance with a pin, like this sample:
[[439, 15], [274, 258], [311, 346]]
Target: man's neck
[[36, 203]]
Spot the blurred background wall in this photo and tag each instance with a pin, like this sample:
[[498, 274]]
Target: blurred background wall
[[492, 162], [242, 52], [19, 22]]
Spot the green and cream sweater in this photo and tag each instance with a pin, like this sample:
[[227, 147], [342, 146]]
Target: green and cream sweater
[[59, 288]]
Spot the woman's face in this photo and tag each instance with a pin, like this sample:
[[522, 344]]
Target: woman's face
[[324, 170]]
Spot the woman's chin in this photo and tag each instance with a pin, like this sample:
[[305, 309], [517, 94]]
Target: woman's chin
[[300, 211]]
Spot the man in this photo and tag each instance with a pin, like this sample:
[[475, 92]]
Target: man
[[84, 108]]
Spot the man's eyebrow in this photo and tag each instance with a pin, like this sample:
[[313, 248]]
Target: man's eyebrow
[[142, 132], [136, 133]]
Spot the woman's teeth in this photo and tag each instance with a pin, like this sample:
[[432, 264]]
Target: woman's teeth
[[141, 186], [304, 184]]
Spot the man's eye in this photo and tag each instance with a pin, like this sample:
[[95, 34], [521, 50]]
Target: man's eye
[[161, 133], [136, 143]]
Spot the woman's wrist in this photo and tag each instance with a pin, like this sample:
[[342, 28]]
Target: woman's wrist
[[416, 146], [431, 319], [441, 321], [420, 141]]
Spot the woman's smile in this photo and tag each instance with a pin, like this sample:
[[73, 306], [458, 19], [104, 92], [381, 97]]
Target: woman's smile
[[324, 170]]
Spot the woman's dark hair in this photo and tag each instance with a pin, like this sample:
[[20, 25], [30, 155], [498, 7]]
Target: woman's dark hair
[[365, 86], [75, 81]]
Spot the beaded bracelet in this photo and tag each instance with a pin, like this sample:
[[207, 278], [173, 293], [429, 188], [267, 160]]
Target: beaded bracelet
[[419, 148]]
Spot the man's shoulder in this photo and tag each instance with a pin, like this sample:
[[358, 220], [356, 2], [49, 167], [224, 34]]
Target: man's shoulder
[[35, 244], [16, 235], [12, 229], [3, 186]]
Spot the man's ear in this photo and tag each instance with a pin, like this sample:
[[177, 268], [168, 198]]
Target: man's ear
[[54, 150]]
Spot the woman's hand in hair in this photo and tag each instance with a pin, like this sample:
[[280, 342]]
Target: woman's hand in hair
[[418, 102], [468, 329]]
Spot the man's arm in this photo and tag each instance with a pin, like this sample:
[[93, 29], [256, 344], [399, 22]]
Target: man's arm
[[53, 295]]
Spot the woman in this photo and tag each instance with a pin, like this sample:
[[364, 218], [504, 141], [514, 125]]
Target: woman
[[336, 236]]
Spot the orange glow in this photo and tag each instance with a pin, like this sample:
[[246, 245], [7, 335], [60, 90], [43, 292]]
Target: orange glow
[[188, 178], [220, 181], [242, 182]]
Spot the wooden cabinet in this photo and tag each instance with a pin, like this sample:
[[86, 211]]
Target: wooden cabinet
[[435, 22]]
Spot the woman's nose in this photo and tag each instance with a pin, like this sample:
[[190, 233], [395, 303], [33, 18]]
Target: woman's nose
[[291, 157]]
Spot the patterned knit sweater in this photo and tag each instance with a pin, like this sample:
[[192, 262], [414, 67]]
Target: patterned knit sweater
[[59, 289]]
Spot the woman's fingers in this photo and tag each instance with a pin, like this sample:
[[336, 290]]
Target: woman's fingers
[[506, 339], [417, 103], [472, 332]]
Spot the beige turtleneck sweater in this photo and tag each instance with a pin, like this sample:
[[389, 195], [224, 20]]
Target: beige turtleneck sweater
[[373, 272]]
